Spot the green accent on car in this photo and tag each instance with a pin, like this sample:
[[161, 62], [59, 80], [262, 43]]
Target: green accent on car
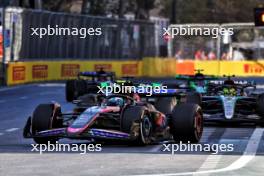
[[104, 84], [156, 84], [192, 85]]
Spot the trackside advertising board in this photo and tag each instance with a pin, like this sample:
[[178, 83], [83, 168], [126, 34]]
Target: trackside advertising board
[[25, 72]]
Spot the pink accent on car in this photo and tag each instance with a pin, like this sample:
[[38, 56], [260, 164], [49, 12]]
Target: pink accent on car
[[74, 130], [103, 110]]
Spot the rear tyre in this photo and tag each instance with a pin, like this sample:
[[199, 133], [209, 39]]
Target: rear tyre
[[194, 98], [69, 90], [187, 123], [81, 88], [260, 105], [261, 124], [166, 104], [137, 115], [45, 117], [74, 89]]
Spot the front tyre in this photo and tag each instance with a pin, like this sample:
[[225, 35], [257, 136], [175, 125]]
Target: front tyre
[[136, 121], [145, 130], [70, 90], [260, 105], [45, 117], [74, 89], [187, 123], [194, 98]]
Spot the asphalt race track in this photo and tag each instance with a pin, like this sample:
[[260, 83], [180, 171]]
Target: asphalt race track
[[16, 157]]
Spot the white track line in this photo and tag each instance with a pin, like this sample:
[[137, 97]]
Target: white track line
[[49, 93], [24, 97], [155, 148], [2, 101], [11, 129], [260, 86], [206, 134], [15, 87], [8, 88], [212, 160], [52, 85], [210, 163], [241, 162]]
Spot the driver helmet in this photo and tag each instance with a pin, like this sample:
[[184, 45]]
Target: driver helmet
[[115, 101], [101, 71], [229, 91]]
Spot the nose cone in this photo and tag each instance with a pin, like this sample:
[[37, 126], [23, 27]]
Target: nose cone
[[229, 106], [71, 130]]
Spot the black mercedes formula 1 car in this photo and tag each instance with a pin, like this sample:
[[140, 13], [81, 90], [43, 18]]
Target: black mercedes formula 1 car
[[118, 117], [197, 82], [231, 101], [86, 82]]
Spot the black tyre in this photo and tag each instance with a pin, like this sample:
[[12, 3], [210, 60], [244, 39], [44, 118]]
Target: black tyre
[[74, 89], [69, 90], [260, 105], [45, 117], [81, 88], [166, 104], [194, 98], [88, 100], [187, 123], [137, 114], [261, 123]]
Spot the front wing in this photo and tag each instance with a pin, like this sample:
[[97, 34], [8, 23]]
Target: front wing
[[92, 133], [238, 118]]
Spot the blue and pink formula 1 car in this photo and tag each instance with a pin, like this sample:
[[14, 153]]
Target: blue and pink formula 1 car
[[118, 117]]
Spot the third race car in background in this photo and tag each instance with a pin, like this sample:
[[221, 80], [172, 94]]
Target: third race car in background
[[86, 82], [231, 101], [194, 83]]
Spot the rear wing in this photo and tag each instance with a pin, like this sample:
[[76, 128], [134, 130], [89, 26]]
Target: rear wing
[[96, 74], [196, 77]]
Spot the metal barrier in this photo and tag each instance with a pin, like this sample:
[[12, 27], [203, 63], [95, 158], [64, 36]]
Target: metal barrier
[[245, 42], [193, 44], [2, 64], [120, 39]]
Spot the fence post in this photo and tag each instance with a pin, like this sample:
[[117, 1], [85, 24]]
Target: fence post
[[3, 69]]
